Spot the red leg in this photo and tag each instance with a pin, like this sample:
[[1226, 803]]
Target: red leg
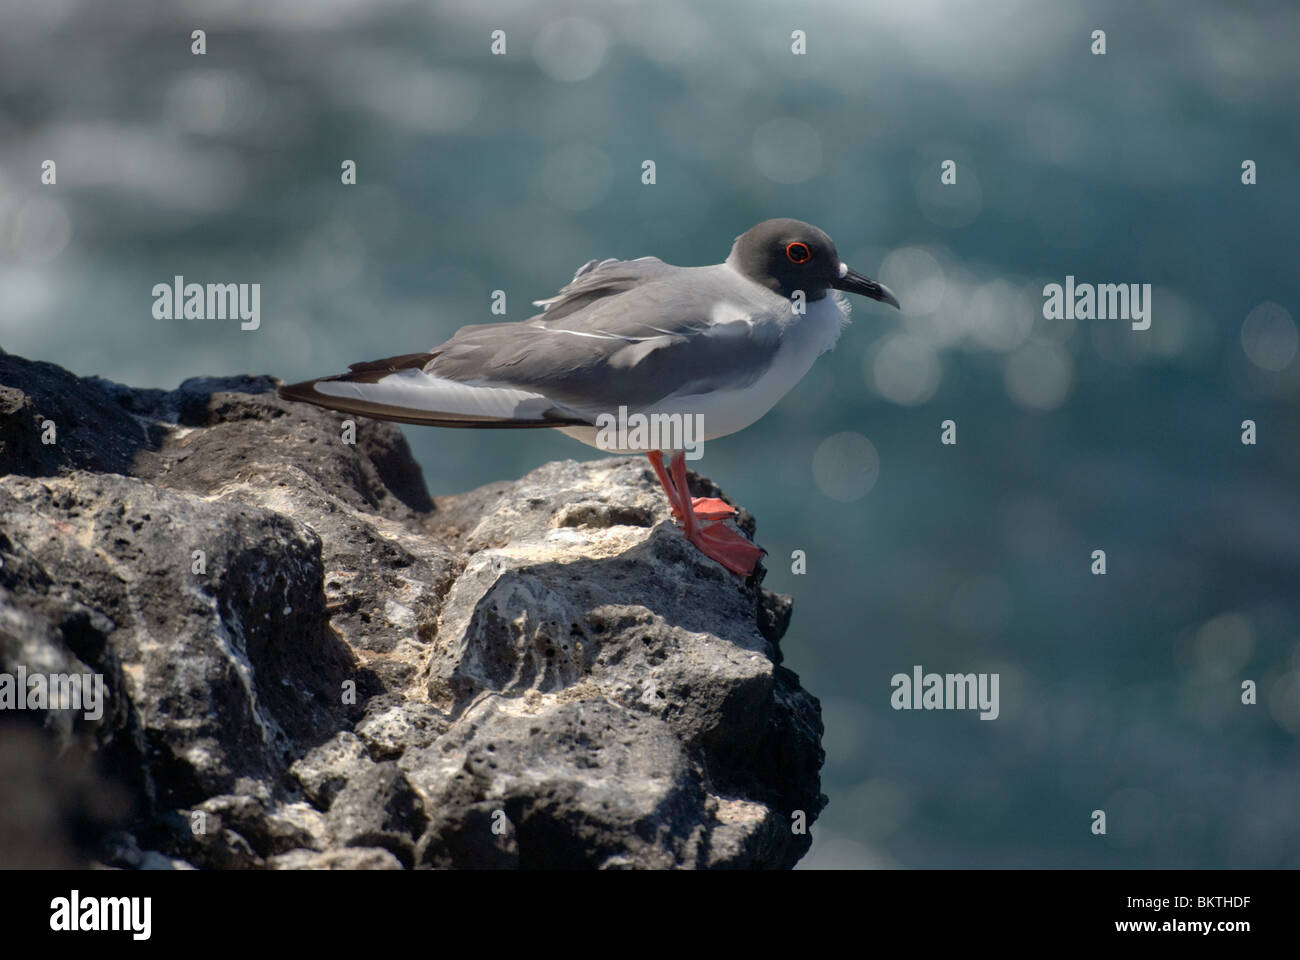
[[705, 508], [656, 459], [716, 541], [678, 467]]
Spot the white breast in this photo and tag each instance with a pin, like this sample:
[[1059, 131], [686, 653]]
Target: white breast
[[803, 340]]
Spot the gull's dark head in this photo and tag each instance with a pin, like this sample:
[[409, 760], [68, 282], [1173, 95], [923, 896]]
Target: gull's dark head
[[788, 255]]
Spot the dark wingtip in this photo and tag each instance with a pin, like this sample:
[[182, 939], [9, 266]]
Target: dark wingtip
[[367, 372], [302, 392]]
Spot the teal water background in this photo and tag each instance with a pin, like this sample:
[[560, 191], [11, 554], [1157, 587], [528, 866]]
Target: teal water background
[[480, 172]]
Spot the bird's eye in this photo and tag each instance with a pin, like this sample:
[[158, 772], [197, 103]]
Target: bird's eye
[[798, 252]]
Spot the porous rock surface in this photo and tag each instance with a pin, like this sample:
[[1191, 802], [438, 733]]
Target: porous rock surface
[[311, 664]]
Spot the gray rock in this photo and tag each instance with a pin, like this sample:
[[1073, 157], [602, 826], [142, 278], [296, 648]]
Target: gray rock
[[343, 858], [378, 808], [153, 860], [324, 770], [324, 668]]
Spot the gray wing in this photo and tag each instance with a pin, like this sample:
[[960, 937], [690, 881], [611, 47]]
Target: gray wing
[[625, 332], [597, 279]]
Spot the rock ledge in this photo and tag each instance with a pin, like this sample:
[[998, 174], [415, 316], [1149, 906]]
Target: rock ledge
[[311, 664]]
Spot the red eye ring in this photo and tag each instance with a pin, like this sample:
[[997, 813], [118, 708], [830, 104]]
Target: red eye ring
[[798, 252]]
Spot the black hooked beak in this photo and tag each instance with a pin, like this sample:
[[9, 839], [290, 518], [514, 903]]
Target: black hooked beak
[[850, 281]]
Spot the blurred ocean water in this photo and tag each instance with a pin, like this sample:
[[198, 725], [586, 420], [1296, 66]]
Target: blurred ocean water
[[478, 173]]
